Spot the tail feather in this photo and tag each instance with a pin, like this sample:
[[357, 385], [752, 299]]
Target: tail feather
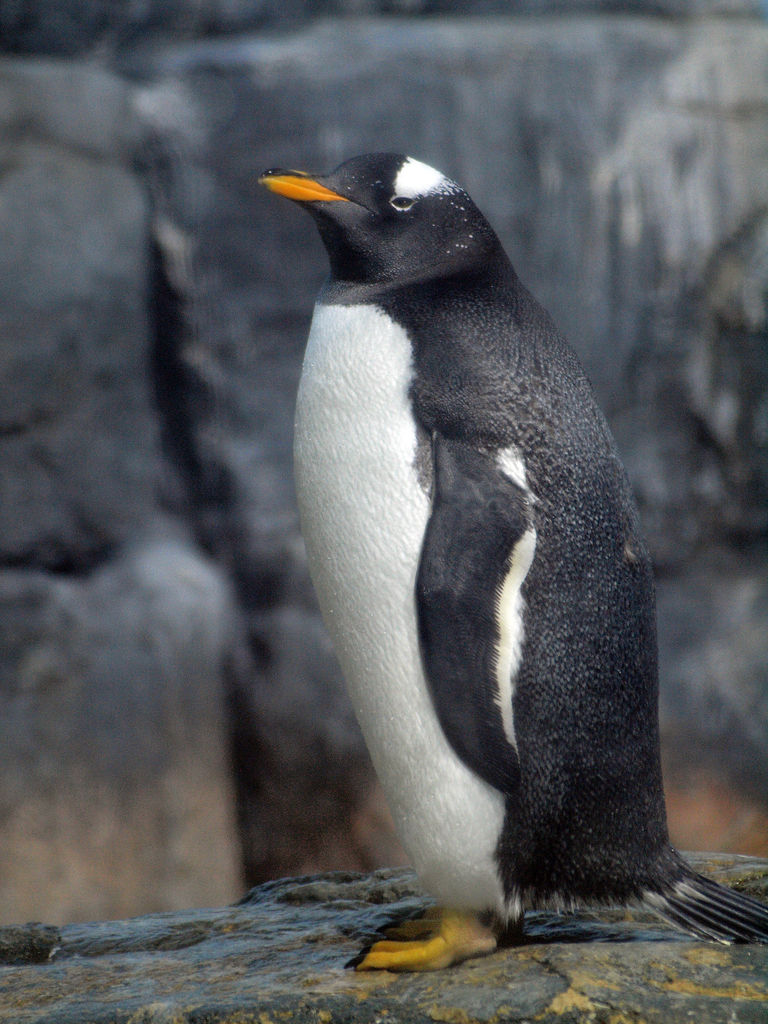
[[711, 911]]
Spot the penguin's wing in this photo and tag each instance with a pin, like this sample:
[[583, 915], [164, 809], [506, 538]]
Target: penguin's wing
[[478, 547]]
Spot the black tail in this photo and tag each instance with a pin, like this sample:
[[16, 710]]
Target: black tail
[[711, 911]]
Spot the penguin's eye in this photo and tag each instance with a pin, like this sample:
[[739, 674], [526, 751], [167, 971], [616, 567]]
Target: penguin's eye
[[401, 202]]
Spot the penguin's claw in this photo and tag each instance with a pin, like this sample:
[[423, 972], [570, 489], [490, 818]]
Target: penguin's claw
[[448, 938]]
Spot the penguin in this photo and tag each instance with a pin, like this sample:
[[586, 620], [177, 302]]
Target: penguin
[[480, 566]]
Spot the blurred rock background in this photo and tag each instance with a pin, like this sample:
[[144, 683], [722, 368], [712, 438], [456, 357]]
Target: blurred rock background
[[173, 725]]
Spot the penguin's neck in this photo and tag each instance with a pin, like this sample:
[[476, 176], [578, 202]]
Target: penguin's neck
[[494, 276]]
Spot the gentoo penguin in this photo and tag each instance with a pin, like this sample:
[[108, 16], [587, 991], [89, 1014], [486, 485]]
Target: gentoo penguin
[[480, 566]]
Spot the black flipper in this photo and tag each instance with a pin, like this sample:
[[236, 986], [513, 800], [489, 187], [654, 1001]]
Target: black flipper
[[479, 517], [710, 910]]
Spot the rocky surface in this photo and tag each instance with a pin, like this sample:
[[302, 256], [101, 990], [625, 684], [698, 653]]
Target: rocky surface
[[163, 670], [281, 954]]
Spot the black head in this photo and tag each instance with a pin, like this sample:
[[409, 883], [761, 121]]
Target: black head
[[386, 218]]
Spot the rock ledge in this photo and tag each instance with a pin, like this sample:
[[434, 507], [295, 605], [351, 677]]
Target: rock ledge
[[280, 955]]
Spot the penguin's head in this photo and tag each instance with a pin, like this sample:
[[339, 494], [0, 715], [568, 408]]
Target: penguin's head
[[384, 217]]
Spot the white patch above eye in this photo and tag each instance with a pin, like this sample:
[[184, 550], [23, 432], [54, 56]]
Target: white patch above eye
[[416, 179]]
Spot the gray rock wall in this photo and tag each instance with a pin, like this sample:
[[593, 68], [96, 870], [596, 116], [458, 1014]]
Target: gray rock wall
[[116, 793], [164, 675], [75, 27]]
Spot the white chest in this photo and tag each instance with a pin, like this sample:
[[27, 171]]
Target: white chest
[[363, 517]]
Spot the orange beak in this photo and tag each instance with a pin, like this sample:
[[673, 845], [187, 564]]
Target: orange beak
[[299, 186]]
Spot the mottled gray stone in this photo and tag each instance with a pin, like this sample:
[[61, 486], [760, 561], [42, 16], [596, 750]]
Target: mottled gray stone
[[74, 104], [713, 642], [115, 794], [281, 954], [78, 442], [304, 774], [70, 27]]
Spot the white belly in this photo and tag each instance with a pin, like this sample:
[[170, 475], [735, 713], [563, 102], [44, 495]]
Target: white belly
[[363, 516]]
